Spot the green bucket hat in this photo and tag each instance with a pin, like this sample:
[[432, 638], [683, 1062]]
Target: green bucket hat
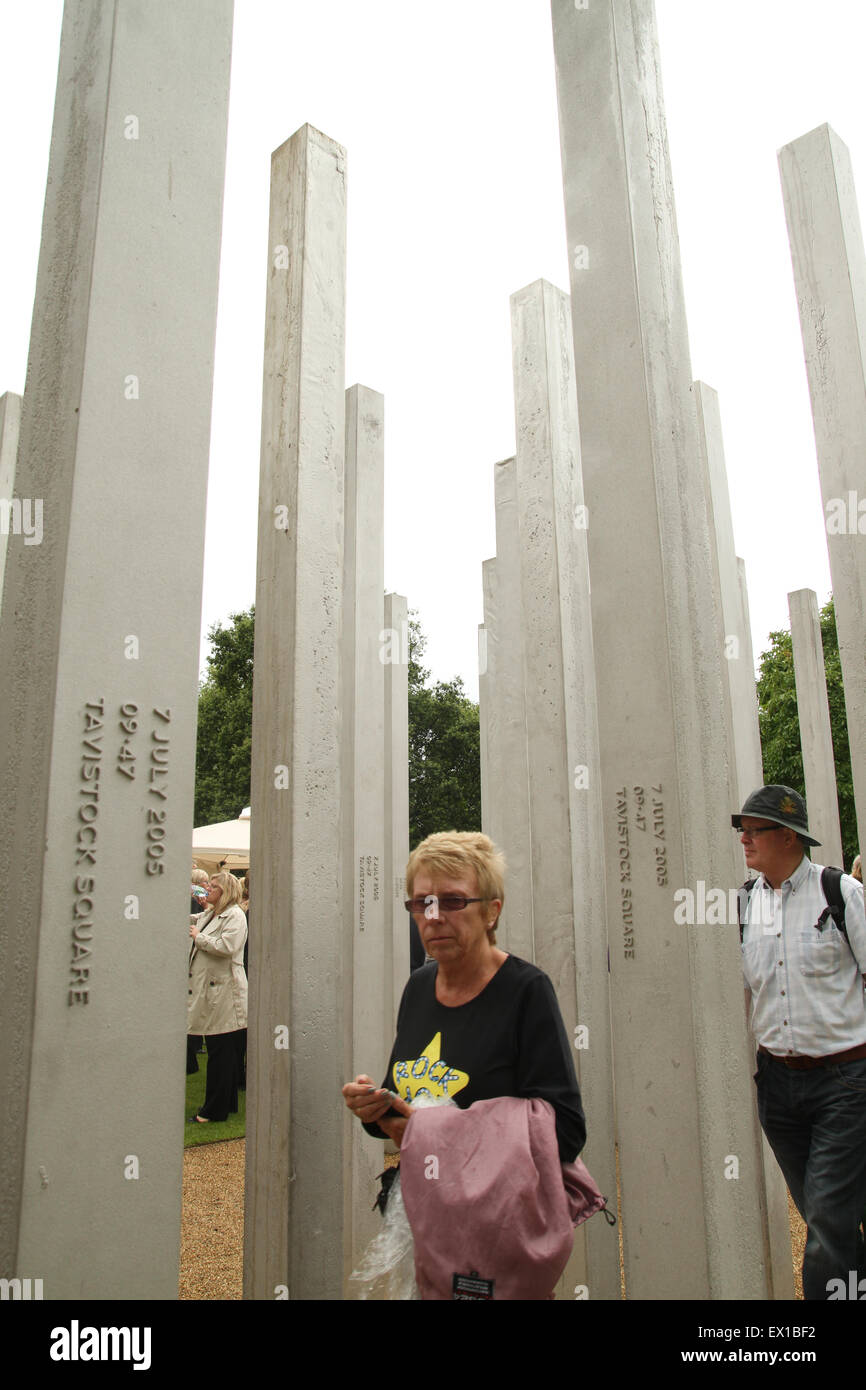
[[782, 805]]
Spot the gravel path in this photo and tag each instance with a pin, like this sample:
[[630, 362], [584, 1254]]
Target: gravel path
[[212, 1231], [212, 1228]]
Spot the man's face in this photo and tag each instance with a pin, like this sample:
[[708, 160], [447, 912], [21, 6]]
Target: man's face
[[765, 845]]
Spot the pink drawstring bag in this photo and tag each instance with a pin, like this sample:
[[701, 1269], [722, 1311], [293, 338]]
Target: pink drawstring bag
[[492, 1209]]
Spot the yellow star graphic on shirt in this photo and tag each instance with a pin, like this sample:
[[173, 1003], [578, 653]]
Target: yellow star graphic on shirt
[[427, 1075]]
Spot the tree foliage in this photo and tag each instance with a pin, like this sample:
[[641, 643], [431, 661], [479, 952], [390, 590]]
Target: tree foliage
[[444, 758], [225, 723], [780, 725], [444, 751]]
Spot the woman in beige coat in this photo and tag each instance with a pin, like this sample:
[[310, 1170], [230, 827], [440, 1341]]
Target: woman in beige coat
[[217, 1003]]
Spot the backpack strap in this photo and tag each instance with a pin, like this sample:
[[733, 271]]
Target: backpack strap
[[742, 900], [831, 887]]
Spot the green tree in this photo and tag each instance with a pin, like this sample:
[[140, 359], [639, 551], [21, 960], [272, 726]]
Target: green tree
[[444, 758], [444, 750], [225, 722], [780, 725]]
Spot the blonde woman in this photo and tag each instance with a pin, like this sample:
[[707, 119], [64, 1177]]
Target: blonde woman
[[217, 1002]]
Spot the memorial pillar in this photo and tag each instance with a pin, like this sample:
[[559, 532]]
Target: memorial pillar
[[363, 769], [518, 929], [300, 1023], [830, 276], [491, 728], [397, 919], [737, 641], [483, 719], [746, 737], [99, 653], [813, 713], [564, 799], [20, 518], [685, 1113]]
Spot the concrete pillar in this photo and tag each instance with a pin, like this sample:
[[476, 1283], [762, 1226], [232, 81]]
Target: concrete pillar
[[685, 1116], [397, 919], [813, 712], [830, 276], [363, 769], [99, 653], [753, 763], [518, 930], [564, 799], [737, 640], [492, 769], [746, 737], [11, 516], [300, 1025], [483, 720]]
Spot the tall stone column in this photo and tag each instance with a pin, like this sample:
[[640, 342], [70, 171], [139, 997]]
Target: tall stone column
[[753, 764], [300, 1023], [830, 276], [363, 769], [737, 641], [746, 739], [813, 712], [14, 521], [518, 923], [99, 651], [694, 1220], [564, 796], [483, 721], [492, 790], [397, 920]]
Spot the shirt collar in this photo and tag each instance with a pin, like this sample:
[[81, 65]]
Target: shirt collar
[[796, 879]]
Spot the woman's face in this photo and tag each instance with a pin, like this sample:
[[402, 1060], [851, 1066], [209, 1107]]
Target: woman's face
[[453, 937], [214, 892]]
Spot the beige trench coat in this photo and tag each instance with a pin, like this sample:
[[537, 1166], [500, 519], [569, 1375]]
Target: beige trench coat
[[217, 1001]]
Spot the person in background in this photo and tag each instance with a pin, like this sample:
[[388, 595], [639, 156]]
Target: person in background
[[198, 890], [857, 870], [197, 903], [217, 1005], [804, 994], [241, 1035]]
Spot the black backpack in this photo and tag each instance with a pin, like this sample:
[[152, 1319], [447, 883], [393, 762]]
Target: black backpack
[[831, 887]]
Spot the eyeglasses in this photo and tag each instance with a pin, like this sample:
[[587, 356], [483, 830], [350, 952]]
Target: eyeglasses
[[449, 902], [753, 834]]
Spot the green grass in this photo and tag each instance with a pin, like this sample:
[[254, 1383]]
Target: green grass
[[235, 1127]]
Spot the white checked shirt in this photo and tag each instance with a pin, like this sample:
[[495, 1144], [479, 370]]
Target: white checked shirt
[[807, 987]]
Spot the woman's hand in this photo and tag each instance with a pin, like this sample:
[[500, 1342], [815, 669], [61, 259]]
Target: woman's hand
[[370, 1104], [193, 931], [395, 1125]]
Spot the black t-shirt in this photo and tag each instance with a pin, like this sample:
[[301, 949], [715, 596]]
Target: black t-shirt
[[508, 1041]]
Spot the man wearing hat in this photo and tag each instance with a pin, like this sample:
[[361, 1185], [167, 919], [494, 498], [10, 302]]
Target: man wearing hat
[[804, 986]]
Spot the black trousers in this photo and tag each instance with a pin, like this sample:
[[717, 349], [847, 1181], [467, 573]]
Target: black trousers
[[241, 1042], [193, 1043], [221, 1088]]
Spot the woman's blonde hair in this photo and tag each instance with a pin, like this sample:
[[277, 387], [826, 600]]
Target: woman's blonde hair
[[231, 891], [456, 853]]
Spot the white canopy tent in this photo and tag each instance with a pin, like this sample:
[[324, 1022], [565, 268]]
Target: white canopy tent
[[225, 845]]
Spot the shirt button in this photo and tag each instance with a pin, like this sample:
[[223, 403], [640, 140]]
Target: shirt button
[[783, 994]]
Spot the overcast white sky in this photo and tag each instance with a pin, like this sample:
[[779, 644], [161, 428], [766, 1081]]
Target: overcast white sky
[[448, 113]]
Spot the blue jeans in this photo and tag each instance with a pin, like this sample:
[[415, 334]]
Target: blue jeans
[[815, 1122]]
